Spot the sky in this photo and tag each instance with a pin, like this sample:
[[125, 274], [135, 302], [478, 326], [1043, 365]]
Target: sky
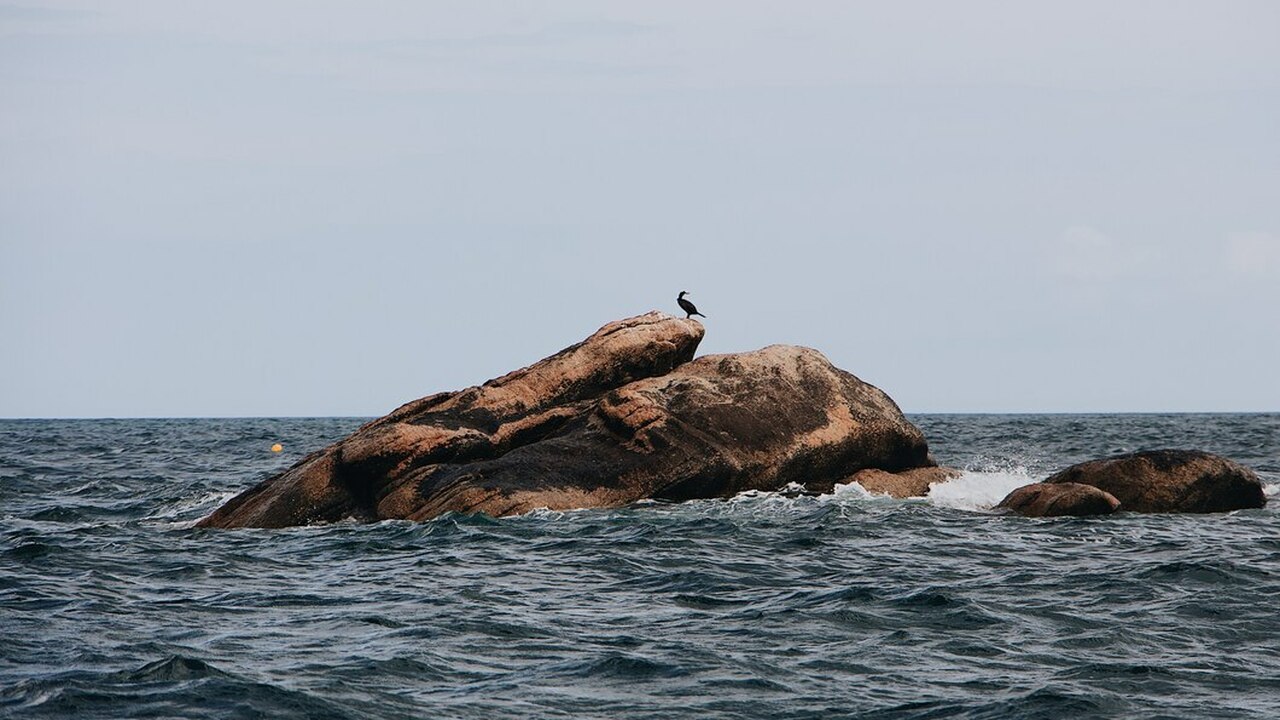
[[322, 208]]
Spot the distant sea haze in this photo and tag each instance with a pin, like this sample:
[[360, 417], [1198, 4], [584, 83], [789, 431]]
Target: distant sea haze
[[763, 605]]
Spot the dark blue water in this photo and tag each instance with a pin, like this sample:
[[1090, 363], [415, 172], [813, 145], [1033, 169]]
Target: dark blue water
[[111, 605]]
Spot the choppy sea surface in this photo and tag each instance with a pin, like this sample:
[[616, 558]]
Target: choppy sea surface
[[846, 605]]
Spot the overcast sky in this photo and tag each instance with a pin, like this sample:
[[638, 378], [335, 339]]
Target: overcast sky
[[318, 208]]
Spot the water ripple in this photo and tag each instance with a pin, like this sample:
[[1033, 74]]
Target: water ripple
[[766, 605]]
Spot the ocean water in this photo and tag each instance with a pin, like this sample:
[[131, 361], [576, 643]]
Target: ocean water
[[847, 605]]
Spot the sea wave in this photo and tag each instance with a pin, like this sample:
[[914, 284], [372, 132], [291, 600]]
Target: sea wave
[[771, 604], [977, 490]]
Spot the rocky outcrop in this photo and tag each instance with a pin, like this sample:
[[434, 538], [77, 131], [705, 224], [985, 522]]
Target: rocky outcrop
[[1055, 499], [905, 484], [622, 416], [1165, 481]]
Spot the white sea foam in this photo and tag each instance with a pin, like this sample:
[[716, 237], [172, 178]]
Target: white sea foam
[[976, 490], [850, 491], [973, 490]]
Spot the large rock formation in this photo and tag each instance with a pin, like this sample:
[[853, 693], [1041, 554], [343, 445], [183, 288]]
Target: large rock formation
[[1055, 499], [1161, 481], [622, 416]]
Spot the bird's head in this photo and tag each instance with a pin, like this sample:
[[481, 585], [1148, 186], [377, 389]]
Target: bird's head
[[683, 293]]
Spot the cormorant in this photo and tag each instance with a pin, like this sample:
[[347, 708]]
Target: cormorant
[[687, 306]]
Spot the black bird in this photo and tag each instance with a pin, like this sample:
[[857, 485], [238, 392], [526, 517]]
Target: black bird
[[687, 306]]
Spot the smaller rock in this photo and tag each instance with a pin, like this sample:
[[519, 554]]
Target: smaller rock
[[1056, 499], [1166, 481], [905, 484]]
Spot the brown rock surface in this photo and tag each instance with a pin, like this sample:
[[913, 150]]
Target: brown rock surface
[[1054, 499], [619, 417], [1157, 481], [905, 484]]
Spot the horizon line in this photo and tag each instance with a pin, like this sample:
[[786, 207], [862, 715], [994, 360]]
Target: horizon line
[[20, 418]]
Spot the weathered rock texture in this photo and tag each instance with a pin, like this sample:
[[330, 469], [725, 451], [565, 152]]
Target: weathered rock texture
[[1064, 498], [1161, 481], [905, 484], [622, 416]]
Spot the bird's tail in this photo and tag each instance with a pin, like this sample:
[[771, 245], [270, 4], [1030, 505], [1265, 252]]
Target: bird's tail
[[704, 317]]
